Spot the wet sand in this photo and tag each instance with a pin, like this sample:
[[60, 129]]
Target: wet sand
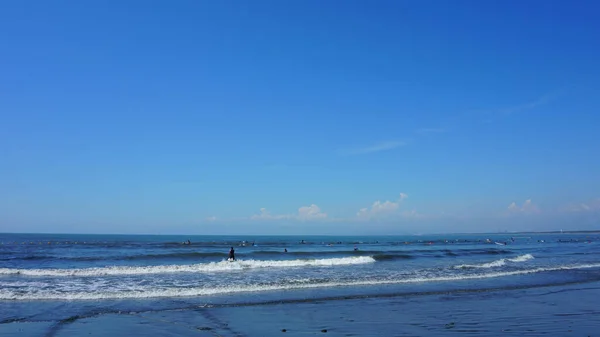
[[546, 311]]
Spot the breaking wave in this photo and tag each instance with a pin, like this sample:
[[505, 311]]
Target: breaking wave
[[7, 294], [497, 263], [191, 268]]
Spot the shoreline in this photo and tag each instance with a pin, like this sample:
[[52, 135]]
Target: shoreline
[[516, 312]]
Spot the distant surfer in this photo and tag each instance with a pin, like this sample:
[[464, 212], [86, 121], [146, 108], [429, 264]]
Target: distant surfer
[[231, 254], [285, 250]]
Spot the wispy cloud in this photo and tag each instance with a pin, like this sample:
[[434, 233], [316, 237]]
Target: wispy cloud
[[528, 106], [540, 101], [491, 114], [383, 146]]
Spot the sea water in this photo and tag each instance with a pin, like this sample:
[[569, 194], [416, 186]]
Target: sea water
[[50, 276]]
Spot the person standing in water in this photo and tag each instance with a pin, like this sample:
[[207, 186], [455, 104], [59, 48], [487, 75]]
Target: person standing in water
[[232, 254]]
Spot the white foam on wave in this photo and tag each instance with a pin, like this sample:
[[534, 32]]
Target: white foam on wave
[[497, 263], [190, 268], [521, 258], [199, 291]]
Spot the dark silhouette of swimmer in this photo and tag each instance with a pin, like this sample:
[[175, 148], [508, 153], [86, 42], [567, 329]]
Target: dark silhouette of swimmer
[[232, 254], [285, 250]]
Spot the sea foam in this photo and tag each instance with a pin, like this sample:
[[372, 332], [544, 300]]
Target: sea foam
[[7, 294], [497, 263], [221, 266]]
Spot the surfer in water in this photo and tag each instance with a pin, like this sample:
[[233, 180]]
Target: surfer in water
[[232, 254]]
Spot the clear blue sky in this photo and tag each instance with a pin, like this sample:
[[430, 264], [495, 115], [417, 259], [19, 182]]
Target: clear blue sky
[[191, 116]]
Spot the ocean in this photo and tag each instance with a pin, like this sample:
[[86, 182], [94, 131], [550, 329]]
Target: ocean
[[55, 284]]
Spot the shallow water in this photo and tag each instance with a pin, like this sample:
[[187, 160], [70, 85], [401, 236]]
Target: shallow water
[[53, 277]]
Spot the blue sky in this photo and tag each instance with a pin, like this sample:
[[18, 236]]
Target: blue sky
[[276, 117]]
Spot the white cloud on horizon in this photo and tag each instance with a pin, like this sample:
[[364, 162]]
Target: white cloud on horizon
[[589, 206], [381, 209], [311, 212], [413, 214], [394, 211], [383, 146], [266, 215], [527, 208], [305, 213]]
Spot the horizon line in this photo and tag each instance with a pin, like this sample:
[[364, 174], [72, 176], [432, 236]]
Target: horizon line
[[333, 235]]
